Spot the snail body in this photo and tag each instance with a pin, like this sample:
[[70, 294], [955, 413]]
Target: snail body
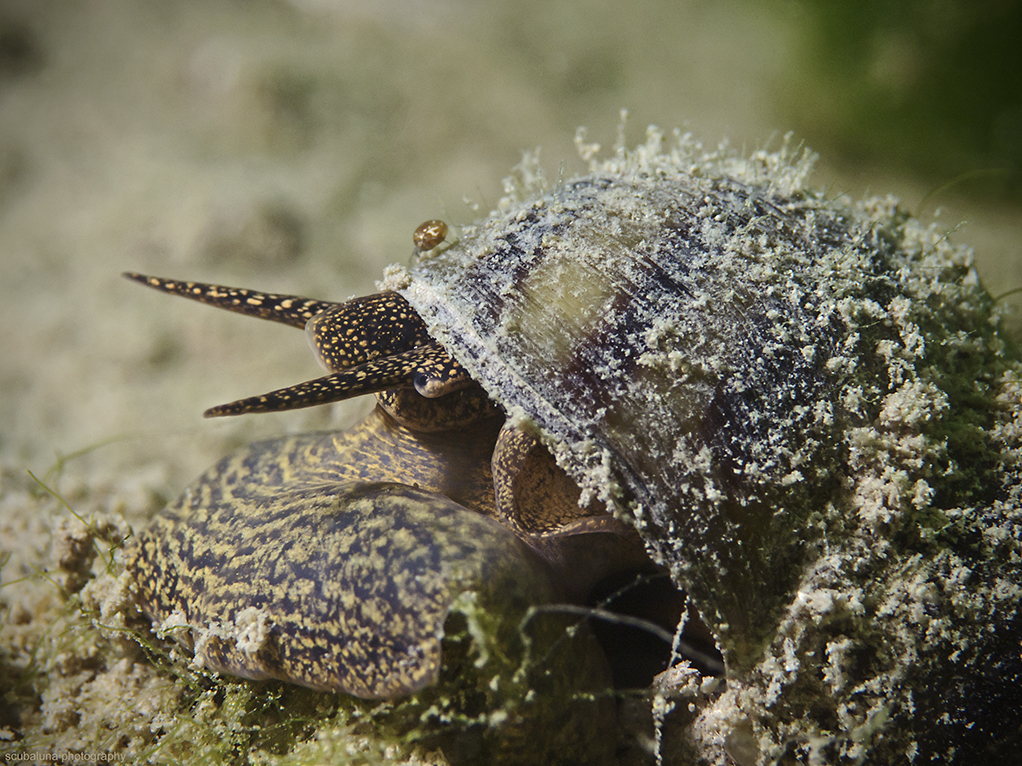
[[316, 575], [332, 560], [687, 355]]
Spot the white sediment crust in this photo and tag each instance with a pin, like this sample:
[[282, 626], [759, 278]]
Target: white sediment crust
[[779, 394]]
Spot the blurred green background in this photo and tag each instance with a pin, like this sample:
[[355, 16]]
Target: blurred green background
[[930, 87]]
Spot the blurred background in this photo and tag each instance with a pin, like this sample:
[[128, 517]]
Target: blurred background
[[294, 145]]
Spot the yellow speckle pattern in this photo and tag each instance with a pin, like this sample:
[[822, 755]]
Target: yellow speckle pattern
[[348, 579], [291, 310], [428, 367], [363, 329], [371, 344]]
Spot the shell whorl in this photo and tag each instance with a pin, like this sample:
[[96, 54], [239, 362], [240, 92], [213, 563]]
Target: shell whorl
[[666, 336]]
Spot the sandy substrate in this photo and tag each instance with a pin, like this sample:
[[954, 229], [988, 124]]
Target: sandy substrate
[[289, 147]]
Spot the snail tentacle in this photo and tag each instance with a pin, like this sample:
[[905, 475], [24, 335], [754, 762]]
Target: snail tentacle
[[427, 368], [370, 344], [292, 310]]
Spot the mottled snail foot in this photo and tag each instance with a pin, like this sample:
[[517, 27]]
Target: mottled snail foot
[[376, 590], [342, 588]]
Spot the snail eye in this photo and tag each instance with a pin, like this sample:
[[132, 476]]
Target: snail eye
[[429, 234]]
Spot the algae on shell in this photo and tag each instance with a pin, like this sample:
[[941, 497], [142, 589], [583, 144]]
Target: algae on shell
[[821, 441]]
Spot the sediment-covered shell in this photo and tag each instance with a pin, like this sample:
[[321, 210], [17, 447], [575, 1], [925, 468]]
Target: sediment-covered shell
[[676, 340], [805, 408]]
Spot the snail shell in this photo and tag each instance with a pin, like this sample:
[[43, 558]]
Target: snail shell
[[672, 368], [807, 410]]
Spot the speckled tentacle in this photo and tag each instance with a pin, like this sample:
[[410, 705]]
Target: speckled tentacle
[[370, 344], [292, 310], [429, 369]]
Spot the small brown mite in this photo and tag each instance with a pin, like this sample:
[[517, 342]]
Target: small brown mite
[[429, 235]]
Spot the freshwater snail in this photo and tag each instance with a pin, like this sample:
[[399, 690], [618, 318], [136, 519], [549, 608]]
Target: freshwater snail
[[691, 353]]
